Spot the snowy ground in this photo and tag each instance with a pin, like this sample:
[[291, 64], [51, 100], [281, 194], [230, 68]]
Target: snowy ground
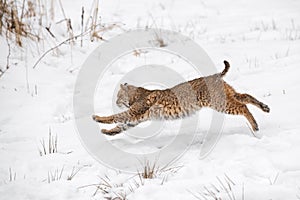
[[261, 39]]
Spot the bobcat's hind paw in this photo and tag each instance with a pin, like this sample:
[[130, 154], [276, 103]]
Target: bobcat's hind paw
[[265, 108], [255, 129]]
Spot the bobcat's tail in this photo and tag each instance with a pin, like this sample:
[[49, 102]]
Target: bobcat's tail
[[227, 66]]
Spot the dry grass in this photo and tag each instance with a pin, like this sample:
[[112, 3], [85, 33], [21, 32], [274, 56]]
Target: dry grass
[[73, 173], [12, 175], [221, 190], [55, 175], [49, 146], [108, 189], [58, 174], [152, 170], [23, 21], [116, 189], [149, 170], [12, 23], [92, 22]]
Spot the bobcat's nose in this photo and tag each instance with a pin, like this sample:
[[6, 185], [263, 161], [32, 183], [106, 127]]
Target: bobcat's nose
[[119, 105]]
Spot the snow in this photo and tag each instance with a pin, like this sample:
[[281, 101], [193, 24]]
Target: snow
[[261, 39]]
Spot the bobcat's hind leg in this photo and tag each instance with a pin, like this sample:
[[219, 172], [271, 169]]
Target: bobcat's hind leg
[[250, 118], [246, 98], [237, 108]]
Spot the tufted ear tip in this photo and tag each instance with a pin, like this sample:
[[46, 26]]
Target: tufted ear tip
[[123, 86]]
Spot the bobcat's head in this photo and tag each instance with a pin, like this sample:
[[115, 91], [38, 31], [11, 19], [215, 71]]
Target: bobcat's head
[[127, 95]]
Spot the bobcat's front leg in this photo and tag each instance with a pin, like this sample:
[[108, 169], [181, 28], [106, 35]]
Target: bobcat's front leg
[[117, 118], [116, 130], [135, 112], [134, 121], [105, 120]]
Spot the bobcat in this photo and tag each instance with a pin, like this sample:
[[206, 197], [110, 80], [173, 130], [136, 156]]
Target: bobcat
[[179, 101]]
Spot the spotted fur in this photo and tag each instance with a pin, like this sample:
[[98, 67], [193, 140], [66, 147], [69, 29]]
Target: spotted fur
[[179, 101]]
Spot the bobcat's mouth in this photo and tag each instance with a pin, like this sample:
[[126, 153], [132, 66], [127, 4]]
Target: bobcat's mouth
[[122, 104]]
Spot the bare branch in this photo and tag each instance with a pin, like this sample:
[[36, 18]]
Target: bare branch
[[70, 39]]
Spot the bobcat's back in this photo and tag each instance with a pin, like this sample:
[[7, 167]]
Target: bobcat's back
[[180, 100]]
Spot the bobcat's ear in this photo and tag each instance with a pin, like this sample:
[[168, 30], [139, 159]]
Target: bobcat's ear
[[124, 86]]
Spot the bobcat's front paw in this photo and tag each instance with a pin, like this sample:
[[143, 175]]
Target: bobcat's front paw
[[96, 118], [105, 120], [111, 132]]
